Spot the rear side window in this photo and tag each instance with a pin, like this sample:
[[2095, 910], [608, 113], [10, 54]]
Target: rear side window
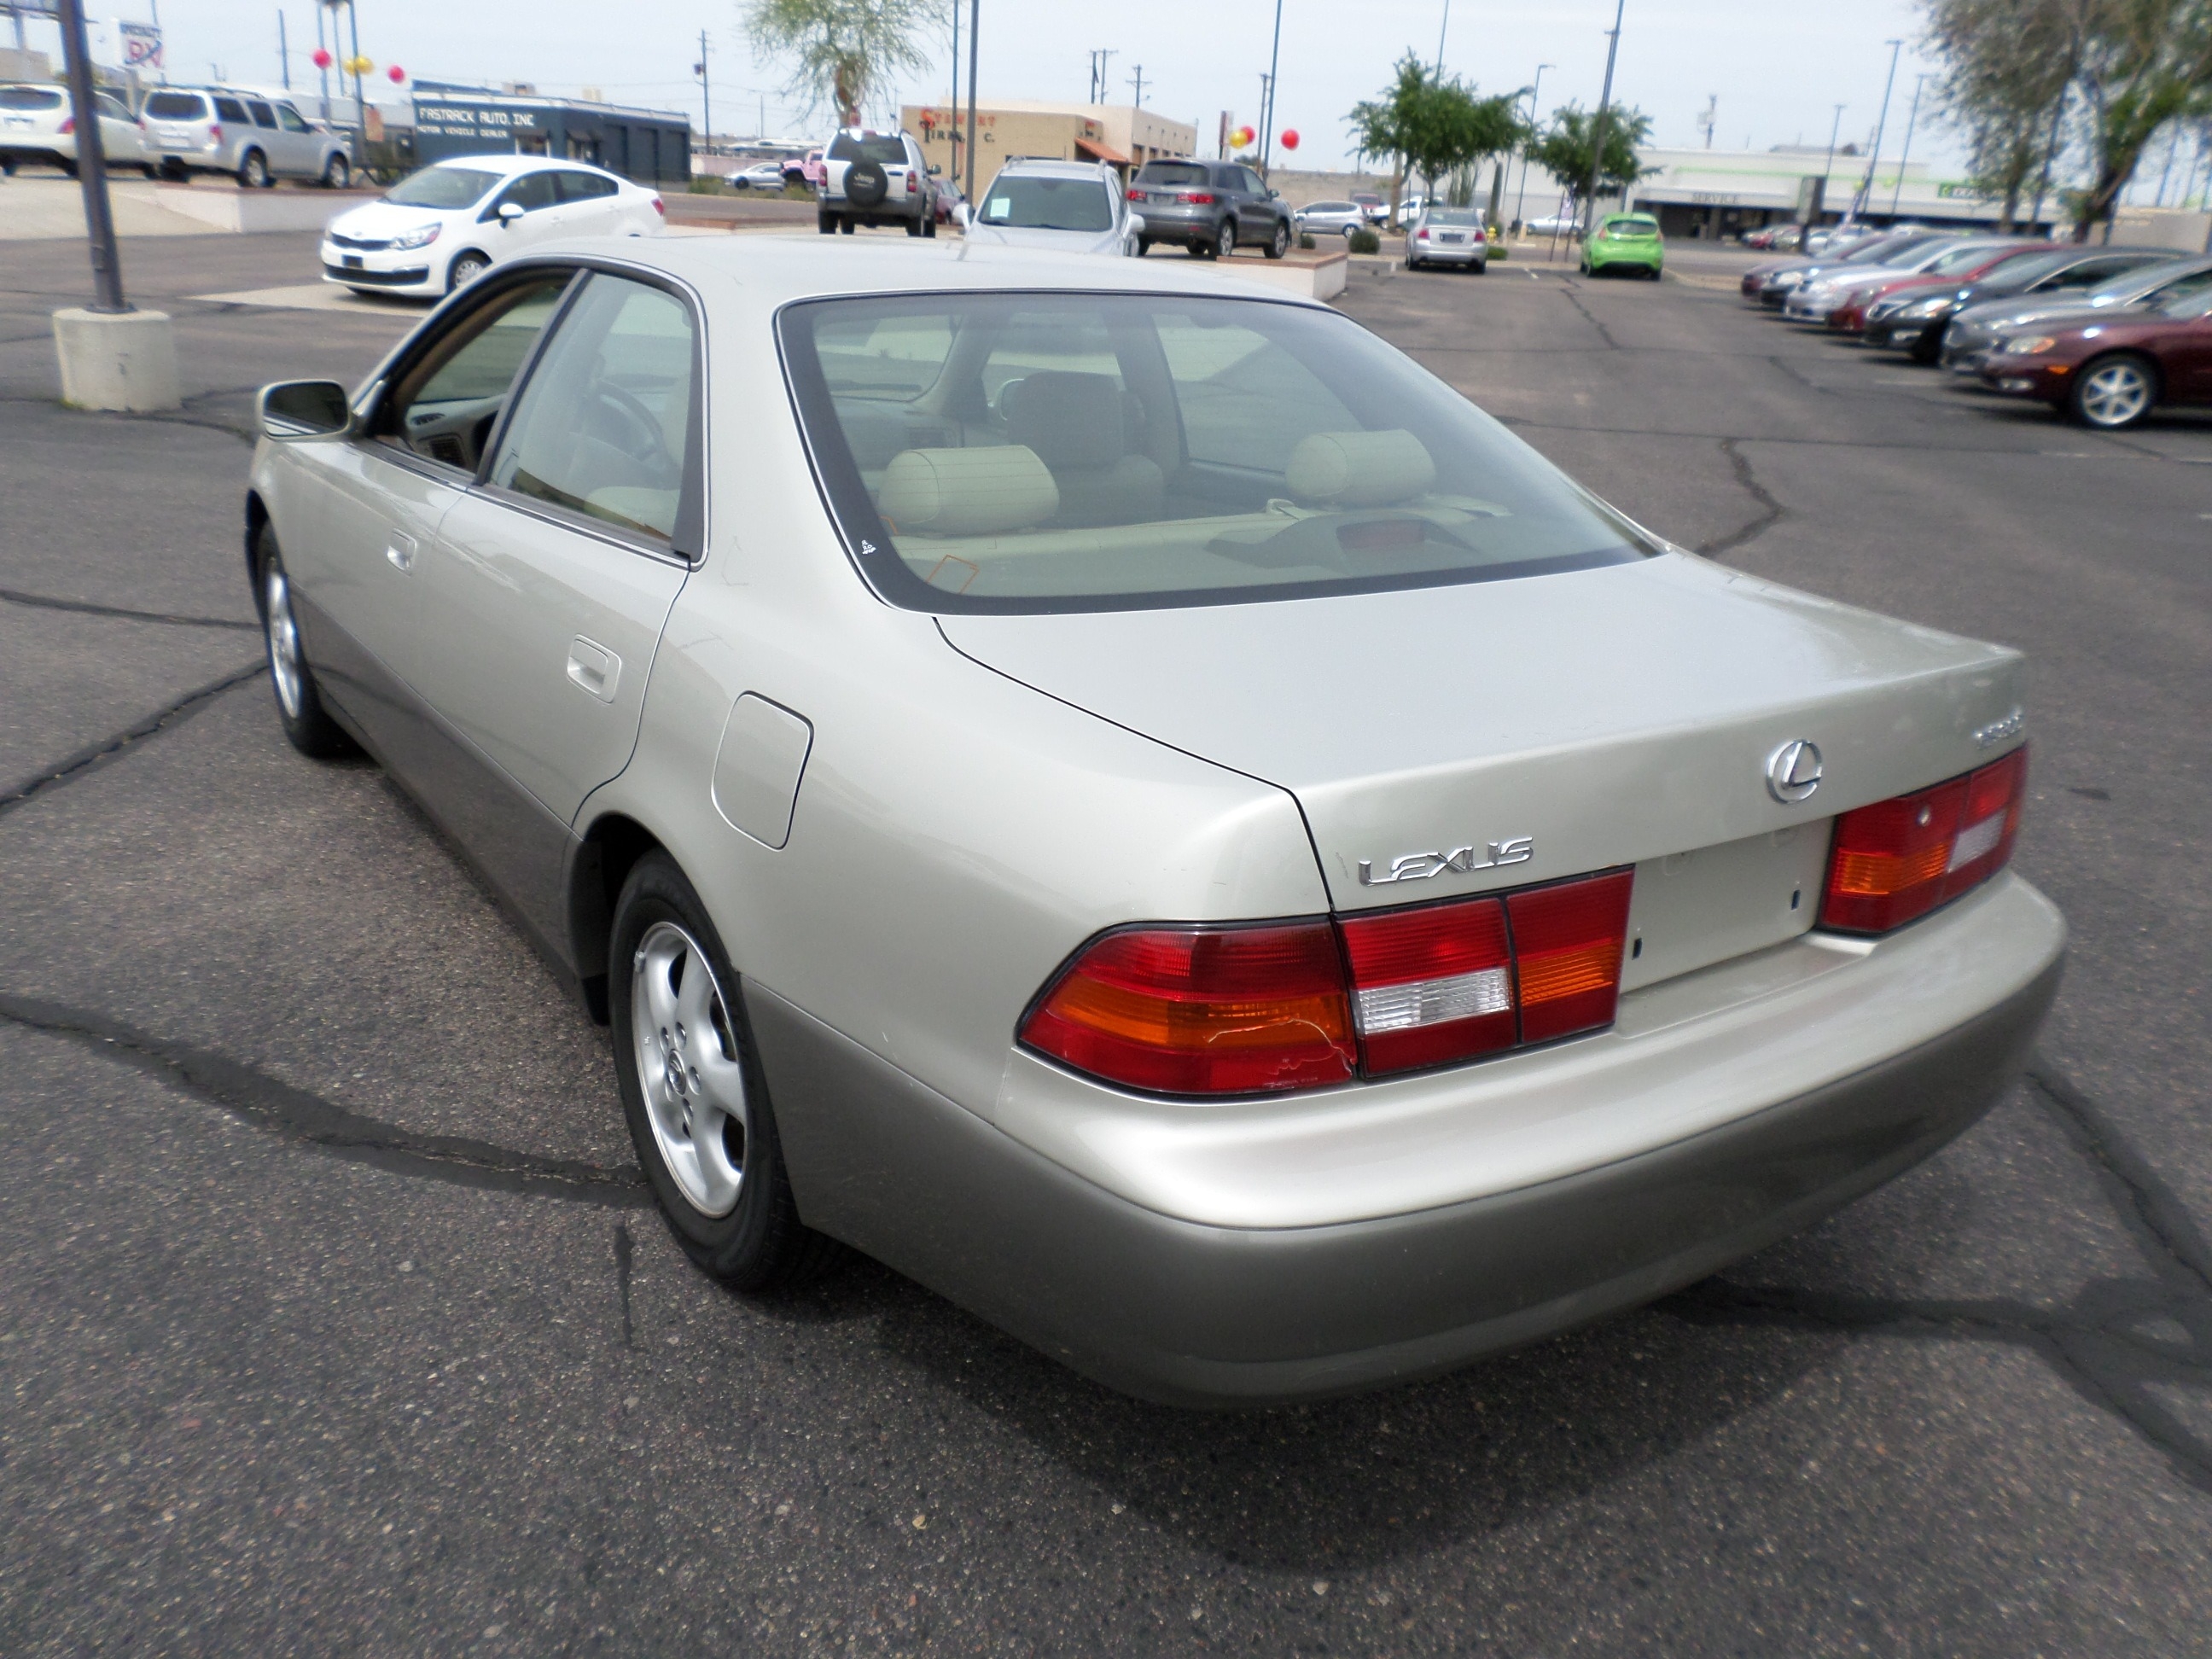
[[1172, 173], [263, 115], [604, 427], [229, 109], [575, 187], [1012, 453], [112, 107], [29, 97], [176, 107], [876, 147]]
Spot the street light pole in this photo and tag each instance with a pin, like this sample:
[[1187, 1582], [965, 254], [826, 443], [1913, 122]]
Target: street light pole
[[1597, 128], [1521, 197], [1911, 121], [91, 164], [974, 19], [1880, 125], [1267, 127], [1441, 28]]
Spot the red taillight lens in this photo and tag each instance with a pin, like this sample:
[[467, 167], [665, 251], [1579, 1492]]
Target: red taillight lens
[[659, 207], [215, 132], [1196, 197], [1203, 1011], [1900, 857], [1433, 985], [1422, 234], [1136, 196], [68, 125], [1566, 953]]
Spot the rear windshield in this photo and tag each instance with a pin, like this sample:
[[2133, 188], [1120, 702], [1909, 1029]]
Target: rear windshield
[[29, 97], [1453, 216], [442, 187], [888, 150], [1632, 227], [1029, 202], [1079, 452], [175, 106], [1171, 172]]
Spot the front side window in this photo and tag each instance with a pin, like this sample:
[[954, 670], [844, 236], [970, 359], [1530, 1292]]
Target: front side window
[[172, 105], [442, 187], [445, 404], [290, 120], [112, 107], [1034, 202], [605, 427], [1022, 451], [529, 192]]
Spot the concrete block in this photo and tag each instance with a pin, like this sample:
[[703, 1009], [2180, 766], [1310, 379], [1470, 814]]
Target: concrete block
[[123, 361]]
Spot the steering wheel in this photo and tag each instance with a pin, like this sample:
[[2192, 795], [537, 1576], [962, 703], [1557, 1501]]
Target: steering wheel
[[641, 437]]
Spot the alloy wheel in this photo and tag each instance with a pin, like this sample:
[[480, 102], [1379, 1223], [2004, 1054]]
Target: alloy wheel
[[284, 666], [2114, 394], [466, 270], [688, 1069], [1224, 239]]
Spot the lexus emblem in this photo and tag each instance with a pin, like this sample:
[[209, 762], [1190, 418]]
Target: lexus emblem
[[1793, 771]]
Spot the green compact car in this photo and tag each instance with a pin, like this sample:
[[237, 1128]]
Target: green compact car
[[1626, 242]]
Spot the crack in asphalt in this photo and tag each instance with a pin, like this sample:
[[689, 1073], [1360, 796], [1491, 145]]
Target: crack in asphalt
[[96, 756], [295, 1114], [244, 434], [86, 608], [2102, 1343], [1770, 514], [1572, 290]]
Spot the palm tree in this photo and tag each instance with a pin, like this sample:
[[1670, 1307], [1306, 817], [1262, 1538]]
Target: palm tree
[[847, 50]]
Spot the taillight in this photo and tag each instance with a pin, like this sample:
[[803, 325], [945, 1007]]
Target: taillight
[[1203, 1011], [1136, 196], [1257, 1009], [1196, 197], [215, 132], [1900, 857], [1431, 985], [68, 125], [1566, 954], [1422, 234], [658, 208], [912, 183]]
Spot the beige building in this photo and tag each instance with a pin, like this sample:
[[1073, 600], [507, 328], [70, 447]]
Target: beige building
[[1125, 137]]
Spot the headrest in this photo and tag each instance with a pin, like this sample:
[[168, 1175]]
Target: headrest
[[1069, 419], [967, 492], [1358, 469]]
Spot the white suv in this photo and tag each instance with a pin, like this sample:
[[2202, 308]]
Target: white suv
[[876, 179], [37, 124], [256, 139], [1077, 207]]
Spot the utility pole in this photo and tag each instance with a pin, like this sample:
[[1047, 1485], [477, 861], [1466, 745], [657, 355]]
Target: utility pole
[[1711, 118], [1521, 198], [1100, 67], [706, 98], [1441, 27], [952, 135], [1138, 81], [974, 19], [91, 164], [1880, 124], [1911, 121], [1597, 127], [283, 51], [1274, 63]]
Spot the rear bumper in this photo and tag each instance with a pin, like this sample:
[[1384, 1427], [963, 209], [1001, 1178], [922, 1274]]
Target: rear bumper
[[1204, 1313], [1464, 254]]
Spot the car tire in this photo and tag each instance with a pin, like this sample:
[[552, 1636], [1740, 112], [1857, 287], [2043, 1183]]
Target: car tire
[[1280, 243], [1144, 245], [846, 224], [175, 173], [2113, 392], [253, 171], [826, 223], [338, 172], [1481, 267], [1929, 348], [307, 725], [685, 1060], [913, 227], [929, 225], [1224, 239], [1201, 249], [468, 265], [152, 171]]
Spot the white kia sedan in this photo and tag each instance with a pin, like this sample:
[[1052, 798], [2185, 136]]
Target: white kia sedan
[[443, 227], [1124, 796]]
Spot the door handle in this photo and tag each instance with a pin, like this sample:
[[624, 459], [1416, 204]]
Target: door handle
[[400, 550], [594, 667]]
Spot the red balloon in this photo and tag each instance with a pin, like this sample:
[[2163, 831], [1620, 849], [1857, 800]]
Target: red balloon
[[396, 74], [321, 60], [1290, 138]]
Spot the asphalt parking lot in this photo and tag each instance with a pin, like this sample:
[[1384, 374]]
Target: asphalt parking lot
[[331, 1320]]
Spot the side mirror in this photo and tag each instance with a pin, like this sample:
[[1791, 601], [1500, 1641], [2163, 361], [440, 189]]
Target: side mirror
[[1274, 196], [960, 215], [508, 213], [1136, 224], [934, 169], [289, 410]]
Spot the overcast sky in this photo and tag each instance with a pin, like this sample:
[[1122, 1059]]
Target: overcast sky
[[1779, 69]]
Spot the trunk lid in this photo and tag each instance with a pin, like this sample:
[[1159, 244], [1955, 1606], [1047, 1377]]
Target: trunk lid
[[1494, 734]]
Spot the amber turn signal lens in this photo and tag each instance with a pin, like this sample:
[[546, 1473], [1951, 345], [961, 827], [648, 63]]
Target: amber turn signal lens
[[1899, 859]]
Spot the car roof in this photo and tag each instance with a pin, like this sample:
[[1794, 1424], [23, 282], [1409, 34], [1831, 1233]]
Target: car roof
[[1053, 165], [512, 164], [762, 272]]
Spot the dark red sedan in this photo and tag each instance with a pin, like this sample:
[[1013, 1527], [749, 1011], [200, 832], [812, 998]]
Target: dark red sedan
[[1850, 316], [2110, 372]]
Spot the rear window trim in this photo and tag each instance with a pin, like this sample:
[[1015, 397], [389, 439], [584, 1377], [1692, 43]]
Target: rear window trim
[[869, 547]]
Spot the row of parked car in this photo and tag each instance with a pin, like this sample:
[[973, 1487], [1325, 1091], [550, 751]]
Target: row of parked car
[[177, 131], [2104, 334]]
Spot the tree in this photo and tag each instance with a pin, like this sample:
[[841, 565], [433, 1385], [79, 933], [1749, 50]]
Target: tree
[[1433, 126], [2144, 63], [1565, 150], [2008, 69], [847, 50]]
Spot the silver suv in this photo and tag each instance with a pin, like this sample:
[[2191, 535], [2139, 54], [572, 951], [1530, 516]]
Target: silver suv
[[876, 179], [256, 139]]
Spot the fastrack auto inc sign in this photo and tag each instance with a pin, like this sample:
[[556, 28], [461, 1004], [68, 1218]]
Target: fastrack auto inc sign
[[484, 123]]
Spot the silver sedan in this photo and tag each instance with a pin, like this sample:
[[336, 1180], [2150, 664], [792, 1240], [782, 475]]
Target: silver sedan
[[1121, 796], [1449, 236]]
